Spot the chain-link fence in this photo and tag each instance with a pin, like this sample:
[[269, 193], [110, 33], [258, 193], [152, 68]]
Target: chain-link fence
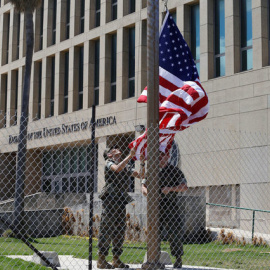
[[213, 198]]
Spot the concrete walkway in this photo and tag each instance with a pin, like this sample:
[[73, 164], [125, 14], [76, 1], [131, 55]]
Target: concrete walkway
[[71, 263]]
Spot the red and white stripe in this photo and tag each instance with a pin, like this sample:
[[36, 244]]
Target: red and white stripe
[[165, 143], [184, 107], [181, 104], [167, 84]]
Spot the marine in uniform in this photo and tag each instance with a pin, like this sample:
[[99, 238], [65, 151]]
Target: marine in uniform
[[172, 209], [114, 198]]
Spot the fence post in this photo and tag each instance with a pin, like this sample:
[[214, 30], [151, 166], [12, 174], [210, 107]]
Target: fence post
[[253, 224], [91, 184], [153, 237]]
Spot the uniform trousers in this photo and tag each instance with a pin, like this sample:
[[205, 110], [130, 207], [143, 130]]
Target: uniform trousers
[[112, 228], [172, 221]]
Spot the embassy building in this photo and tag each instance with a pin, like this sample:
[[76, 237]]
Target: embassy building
[[95, 52]]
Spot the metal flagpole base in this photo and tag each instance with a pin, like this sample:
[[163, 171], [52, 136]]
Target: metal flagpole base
[[153, 266]]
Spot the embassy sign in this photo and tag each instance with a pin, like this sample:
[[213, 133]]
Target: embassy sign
[[64, 129]]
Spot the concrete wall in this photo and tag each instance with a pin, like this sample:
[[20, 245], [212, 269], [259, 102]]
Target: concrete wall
[[39, 223]]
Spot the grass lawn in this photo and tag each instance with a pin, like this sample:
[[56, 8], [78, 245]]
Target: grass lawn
[[211, 254], [7, 263]]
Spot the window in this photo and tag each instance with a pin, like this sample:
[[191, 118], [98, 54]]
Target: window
[[132, 6], [268, 32], [96, 78], [16, 97], [41, 25], [66, 82], [39, 89], [97, 11], [80, 77], [114, 10], [68, 170], [52, 86], [246, 35], [54, 21], [67, 19], [131, 62], [113, 67], [82, 10], [195, 35], [18, 18], [8, 32], [5, 49], [173, 14], [219, 29], [3, 109]]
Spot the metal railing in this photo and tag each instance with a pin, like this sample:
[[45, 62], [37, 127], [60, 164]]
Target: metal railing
[[243, 208]]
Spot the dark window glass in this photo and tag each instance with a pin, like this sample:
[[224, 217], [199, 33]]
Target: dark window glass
[[219, 38], [57, 163], [39, 89], [66, 161], [16, 97], [18, 35], [68, 170], [7, 41], [82, 159], [114, 10], [195, 34], [41, 25], [97, 19], [47, 163], [52, 86], [96, 78], [81, 184], [66, 81], [173, 14], [132, 6], [113, 92], [54, 21], [67, 19], [269, 32], [5, 77], [246, 35], [74, 161], [89, 164], [47, 186], [73, 184], [65, 185], [113, 67], [131, 62], [80, 105], [82, 10]]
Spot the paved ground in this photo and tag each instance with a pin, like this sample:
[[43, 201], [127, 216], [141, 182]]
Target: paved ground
[[71, 263]]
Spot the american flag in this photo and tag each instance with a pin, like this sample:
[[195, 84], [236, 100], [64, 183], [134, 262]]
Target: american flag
[[182, 99]]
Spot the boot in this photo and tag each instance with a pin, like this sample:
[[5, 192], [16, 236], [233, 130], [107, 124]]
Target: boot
[[102, 263], [117, 263], [178, 263]]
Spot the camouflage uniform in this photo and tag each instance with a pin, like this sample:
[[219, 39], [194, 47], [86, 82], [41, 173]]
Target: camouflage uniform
[[114, 198], [172, 209]]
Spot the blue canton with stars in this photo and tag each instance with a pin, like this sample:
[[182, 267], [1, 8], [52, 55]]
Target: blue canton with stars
[[174, 53]]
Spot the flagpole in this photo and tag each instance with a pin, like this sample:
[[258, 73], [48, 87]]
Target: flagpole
[[153, 235]]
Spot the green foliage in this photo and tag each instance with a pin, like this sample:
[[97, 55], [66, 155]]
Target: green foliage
[[24, 5]]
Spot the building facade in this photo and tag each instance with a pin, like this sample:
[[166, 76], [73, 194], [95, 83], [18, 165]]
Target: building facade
[[95, 52]]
